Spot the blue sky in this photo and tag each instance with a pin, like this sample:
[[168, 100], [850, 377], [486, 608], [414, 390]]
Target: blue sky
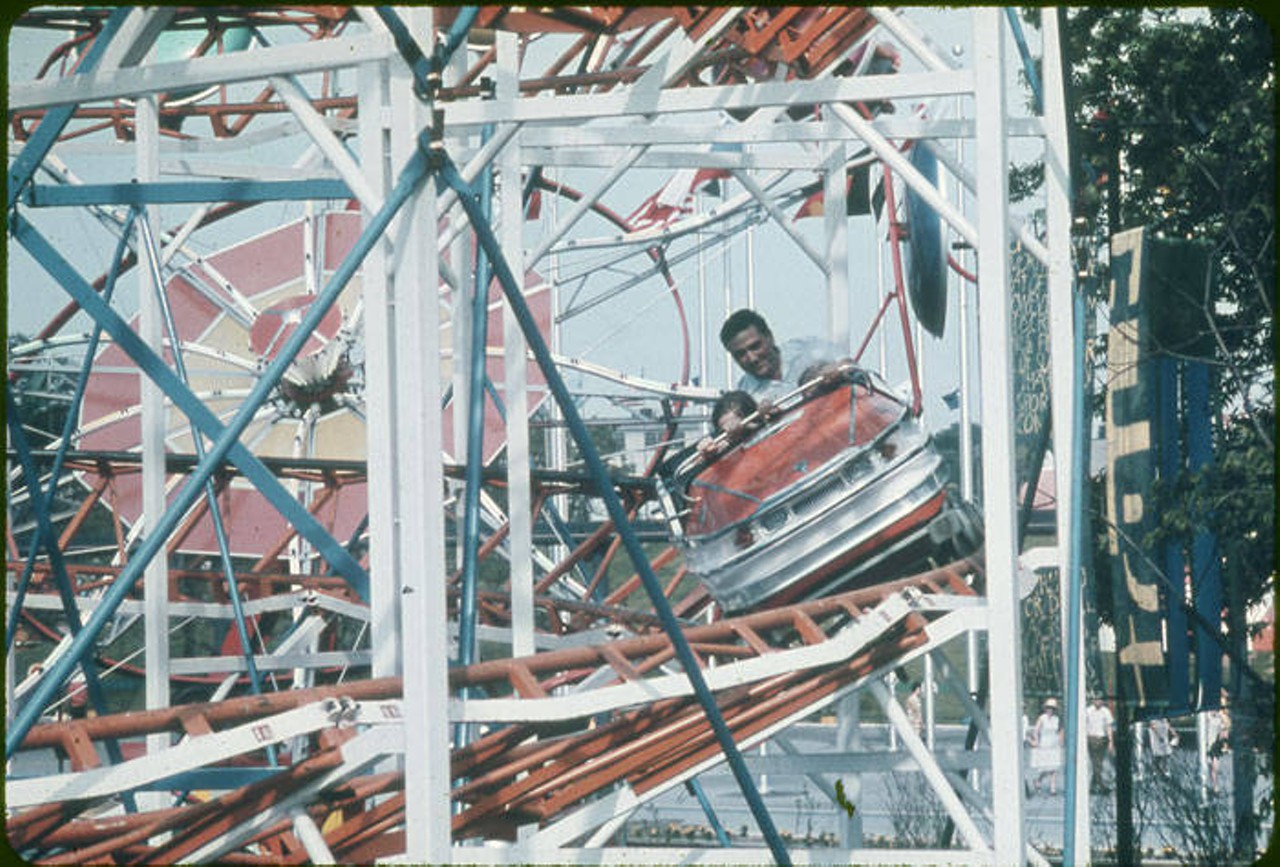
[[633, 334]]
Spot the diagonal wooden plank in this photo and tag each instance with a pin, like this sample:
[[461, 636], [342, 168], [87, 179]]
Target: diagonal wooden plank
[[752, 638], [619, 663], [810, 632], [525, 683]]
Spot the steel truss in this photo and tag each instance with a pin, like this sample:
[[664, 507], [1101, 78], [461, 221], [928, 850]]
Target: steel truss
[[604, 702]]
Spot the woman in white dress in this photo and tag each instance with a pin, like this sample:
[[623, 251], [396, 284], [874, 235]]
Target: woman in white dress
[[1046, 746]]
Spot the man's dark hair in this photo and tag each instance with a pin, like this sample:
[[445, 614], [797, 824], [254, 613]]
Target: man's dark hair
[[739, 321]]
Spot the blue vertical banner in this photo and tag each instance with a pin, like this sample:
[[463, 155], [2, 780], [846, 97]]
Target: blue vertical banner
[[1173, 557], [1206, 572], [1157, 427], [1131, 426]]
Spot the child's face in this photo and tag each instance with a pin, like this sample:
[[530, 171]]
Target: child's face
[[730, 421]]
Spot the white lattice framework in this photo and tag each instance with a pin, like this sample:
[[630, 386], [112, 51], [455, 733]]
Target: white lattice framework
[[643, 124]]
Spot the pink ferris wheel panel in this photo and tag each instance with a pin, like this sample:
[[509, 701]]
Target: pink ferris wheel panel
[[232, 310]]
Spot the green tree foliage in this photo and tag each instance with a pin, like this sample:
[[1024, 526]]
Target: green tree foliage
[[41, 395], [41, 391], [1176, 121]]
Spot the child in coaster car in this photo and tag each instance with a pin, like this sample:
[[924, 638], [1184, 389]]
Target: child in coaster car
[[729, 415]]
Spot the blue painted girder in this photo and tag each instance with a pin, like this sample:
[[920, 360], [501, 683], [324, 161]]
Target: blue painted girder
[[226, 440], [617, 512]]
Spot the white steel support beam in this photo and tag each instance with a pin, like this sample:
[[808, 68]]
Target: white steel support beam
[[929, 767], [304, 828], [792, 760], [515, 368], [630, 102], [557, 437], [303, 660], [959, 289], [201, 72], [200, 751], [605, 154], [595, 143], [458, 240], [216, 610], [836, 225], [457, 243], [735, 855], [784, 222], [603, 699], [901, 166], [151, 325], [585, 204], [929, 688], [136, 36], [999, 491], [334, 151], [1068, 451], [420, 487], [385, 601]]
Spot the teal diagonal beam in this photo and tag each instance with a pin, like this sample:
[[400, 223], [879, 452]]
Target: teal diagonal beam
[[226, 440], [55, 120], [64, 441], [176, 390], [613, 503]]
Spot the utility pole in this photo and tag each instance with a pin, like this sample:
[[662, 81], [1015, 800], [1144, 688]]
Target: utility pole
[[1125, 849]]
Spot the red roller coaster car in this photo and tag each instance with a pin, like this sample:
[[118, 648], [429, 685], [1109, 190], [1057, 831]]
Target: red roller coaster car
[[839, 487]]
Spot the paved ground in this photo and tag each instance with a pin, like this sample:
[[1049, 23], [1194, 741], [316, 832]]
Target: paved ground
[[800, 810]]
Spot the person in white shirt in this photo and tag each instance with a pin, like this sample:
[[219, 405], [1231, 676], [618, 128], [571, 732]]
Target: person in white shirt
[[1099, 731], [770, 370], [913, 707], [1046, 746], [1163, 739], [1219, 741]]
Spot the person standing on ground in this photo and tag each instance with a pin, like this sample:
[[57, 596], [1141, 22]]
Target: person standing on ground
[[915, 712], [1099, 730], [1046, 746], [1219, 741], [1163, 739]]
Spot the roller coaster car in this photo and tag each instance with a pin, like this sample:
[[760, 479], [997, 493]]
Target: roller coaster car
[[841, 487]]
